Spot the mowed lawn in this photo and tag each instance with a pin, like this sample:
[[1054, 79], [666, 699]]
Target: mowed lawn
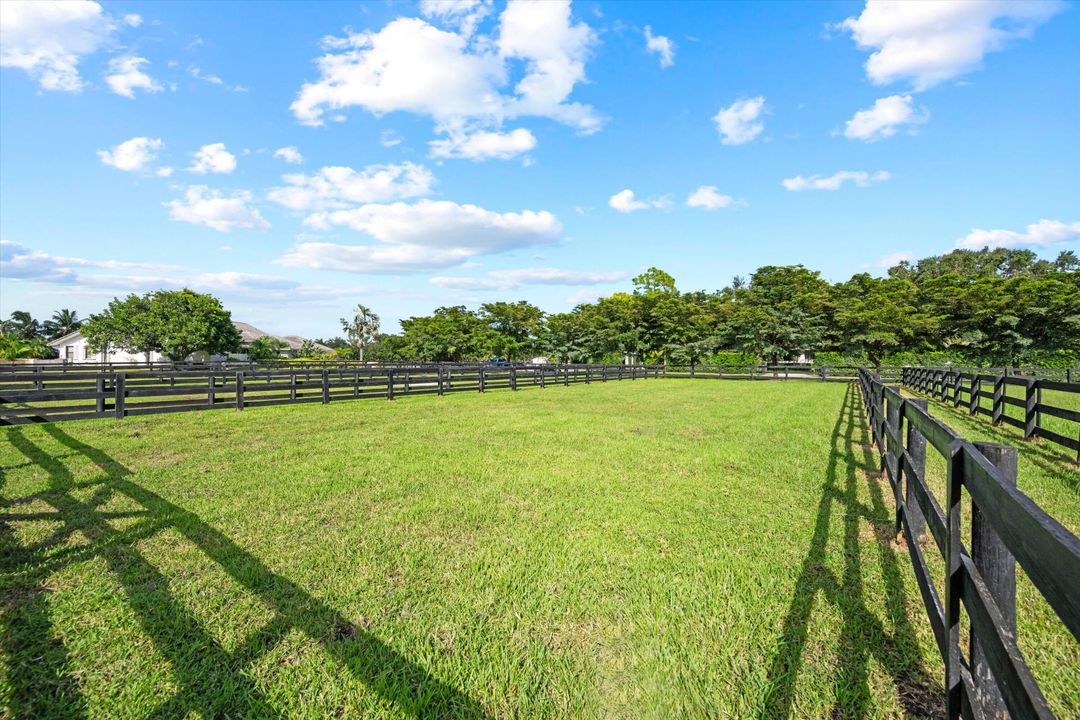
[[636, 549]]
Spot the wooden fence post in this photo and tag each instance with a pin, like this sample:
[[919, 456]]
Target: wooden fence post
[[121, 395], [211, 389], [999, 401], [974, 401], [954, 579], [892, 430], [482, 380], [1031, 406], [439, 371], [997, 567], [99, 388], [239, 389], [513, 378], [389, 384], [957, 397], [325, 386], [566, 376], [916, 450]]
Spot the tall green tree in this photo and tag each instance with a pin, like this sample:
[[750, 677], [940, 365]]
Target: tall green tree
[[361, 328], [175, 323]]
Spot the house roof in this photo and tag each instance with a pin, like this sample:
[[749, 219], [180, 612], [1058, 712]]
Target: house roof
[[65, 339]]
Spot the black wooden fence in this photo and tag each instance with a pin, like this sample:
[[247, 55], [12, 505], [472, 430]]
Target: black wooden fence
[[1006, 527], [970, 389], [72, 394]]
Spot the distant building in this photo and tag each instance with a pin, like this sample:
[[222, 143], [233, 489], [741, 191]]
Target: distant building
[[73, 348]]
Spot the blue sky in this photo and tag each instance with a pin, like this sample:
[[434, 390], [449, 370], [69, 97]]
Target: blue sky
[[297, 158]]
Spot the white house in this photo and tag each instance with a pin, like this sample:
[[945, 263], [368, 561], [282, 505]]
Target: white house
[[73, 348]]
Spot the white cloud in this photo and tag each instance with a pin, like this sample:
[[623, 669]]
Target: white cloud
[[932, 41], [203, 206], [133, 20], [708, 198], [290, 155], [424, 235], [165, 171], [457, 79], [389, 138], [740, 122], [1041, 234], [464, 15], [891, 260], [660, 45], [48, 39], [625, 202], [23, 263], [883, 119], [213, 158], [585, 295], [339, 187], [835, 181], [484, 145], [134, 155], [126, 76], [196, 72], [513, 279]]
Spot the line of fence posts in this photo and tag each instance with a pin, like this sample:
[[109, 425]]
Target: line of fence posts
[[903, 457], [938, 383]]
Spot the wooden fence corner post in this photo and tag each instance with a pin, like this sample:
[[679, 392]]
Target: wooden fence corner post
[[997, 567]]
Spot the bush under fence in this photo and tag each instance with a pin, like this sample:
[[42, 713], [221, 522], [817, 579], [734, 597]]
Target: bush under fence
[[1006, 527]]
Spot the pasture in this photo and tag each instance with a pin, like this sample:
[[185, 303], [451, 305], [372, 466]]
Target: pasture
[[677, 548]]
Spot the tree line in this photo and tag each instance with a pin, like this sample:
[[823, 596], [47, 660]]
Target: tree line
[[983, 307], [988, 307]]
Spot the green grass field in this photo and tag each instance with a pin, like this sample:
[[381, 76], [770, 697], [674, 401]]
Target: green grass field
[[637, 549]]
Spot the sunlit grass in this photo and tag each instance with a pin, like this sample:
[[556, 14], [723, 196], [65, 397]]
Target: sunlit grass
[[636, 549]]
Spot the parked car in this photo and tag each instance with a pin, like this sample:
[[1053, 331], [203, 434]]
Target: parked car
[[498, 362]]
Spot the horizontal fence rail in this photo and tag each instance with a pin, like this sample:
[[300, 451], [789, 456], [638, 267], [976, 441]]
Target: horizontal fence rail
[[987, 394], [76, 395], [1006, 527]]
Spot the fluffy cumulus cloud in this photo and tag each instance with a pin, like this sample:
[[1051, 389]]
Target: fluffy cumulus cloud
[[887, 115], [290, 155], [1041, 234], [48, 39], [134, 155], [126, 76], [513, 279], [484, 145], [213, 158], [741, 121], [625, 201], [341, 187], [132, 20], [214, 209], [708, 197], [859, 178], [661, 46], [424, 235], [932, 41], [458, 78]]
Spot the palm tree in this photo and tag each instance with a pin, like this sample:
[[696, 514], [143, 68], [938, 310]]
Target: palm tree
[[62, 322], [24, 326], [361, 328]]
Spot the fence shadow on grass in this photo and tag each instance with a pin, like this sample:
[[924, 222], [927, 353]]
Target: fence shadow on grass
[[212, 682], [891, 641]]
